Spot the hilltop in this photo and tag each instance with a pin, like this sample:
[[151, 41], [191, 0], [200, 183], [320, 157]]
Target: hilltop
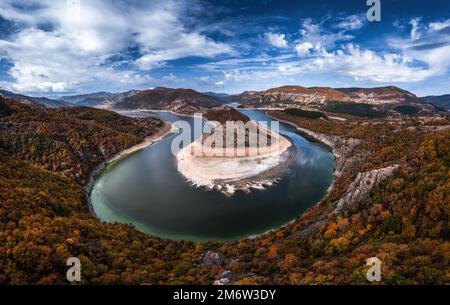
[[68, 140], [103, 100], [182, 101], [384, 100], [37, 101]]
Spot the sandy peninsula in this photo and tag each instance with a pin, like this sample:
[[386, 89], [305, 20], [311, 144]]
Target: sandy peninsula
[[244, 170]]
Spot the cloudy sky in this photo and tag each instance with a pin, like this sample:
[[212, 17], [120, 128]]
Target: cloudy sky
[[67, 47]]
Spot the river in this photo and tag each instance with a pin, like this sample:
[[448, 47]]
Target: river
[[146, 190]]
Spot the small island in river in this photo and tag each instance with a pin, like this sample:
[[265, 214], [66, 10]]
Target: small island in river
[[252, 158]]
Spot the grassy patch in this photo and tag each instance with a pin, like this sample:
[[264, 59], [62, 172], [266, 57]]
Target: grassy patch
[[305, 114], [361, 110], [407, 110]]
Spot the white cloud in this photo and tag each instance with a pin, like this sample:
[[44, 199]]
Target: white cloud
[[303, 49], [437, 26], [208, 81], [319, 37], [352, 22], [349, 61], [74, 51], [367, 65], [321, 52], [415, 28], [428, 44], [276, 40], [171, 78], [315, 37]]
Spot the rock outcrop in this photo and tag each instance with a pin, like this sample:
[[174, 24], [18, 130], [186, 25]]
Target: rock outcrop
[[342, 147], [212, 259], [225, 278], [360, 188]]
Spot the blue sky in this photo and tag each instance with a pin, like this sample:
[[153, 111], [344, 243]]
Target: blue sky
[[64, 47]]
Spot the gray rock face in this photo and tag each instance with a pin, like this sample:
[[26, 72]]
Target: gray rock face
[[213, 259], [224, 279], [360, 188], [222, 282], [341, 147]]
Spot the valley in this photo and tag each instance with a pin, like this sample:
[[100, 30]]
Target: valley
[[177, 145], [382, 202]]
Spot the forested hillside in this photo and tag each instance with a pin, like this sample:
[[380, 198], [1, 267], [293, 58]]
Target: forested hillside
[[70, 140], [47, 154]]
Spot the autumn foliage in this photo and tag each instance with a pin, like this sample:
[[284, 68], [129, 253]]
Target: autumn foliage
[[46, 156]]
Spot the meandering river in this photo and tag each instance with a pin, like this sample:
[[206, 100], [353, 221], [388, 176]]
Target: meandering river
[[146, 190]]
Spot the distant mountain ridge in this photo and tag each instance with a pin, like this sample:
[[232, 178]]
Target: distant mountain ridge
[[183, 101], [380, 95], [77, 99], [30, 100], [320, 95], [384, 99], [442, 101], [103, 100], [188, 101], [223, 96]]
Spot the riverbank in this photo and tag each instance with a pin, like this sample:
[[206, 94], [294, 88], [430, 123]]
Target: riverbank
[[164, 132], [339, 146], [149, 110], [161, 134]]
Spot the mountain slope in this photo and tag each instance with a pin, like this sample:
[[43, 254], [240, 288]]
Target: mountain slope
[[384, 100], [29, 100], [291, 95], [223, 96], [103, 100], [183, 101], [83, 99], [442, 101], [68, 140], [380, 95]]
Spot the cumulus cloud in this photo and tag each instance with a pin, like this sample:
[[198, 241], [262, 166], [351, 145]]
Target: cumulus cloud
[[58, 47], [366, 64], [317, 34], [61, 46], [428, 43], [303, 49], [324, 49], [359, 64], [315, 37], [276, 40]]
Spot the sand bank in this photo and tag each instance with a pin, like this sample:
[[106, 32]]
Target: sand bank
[[242, 171]]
